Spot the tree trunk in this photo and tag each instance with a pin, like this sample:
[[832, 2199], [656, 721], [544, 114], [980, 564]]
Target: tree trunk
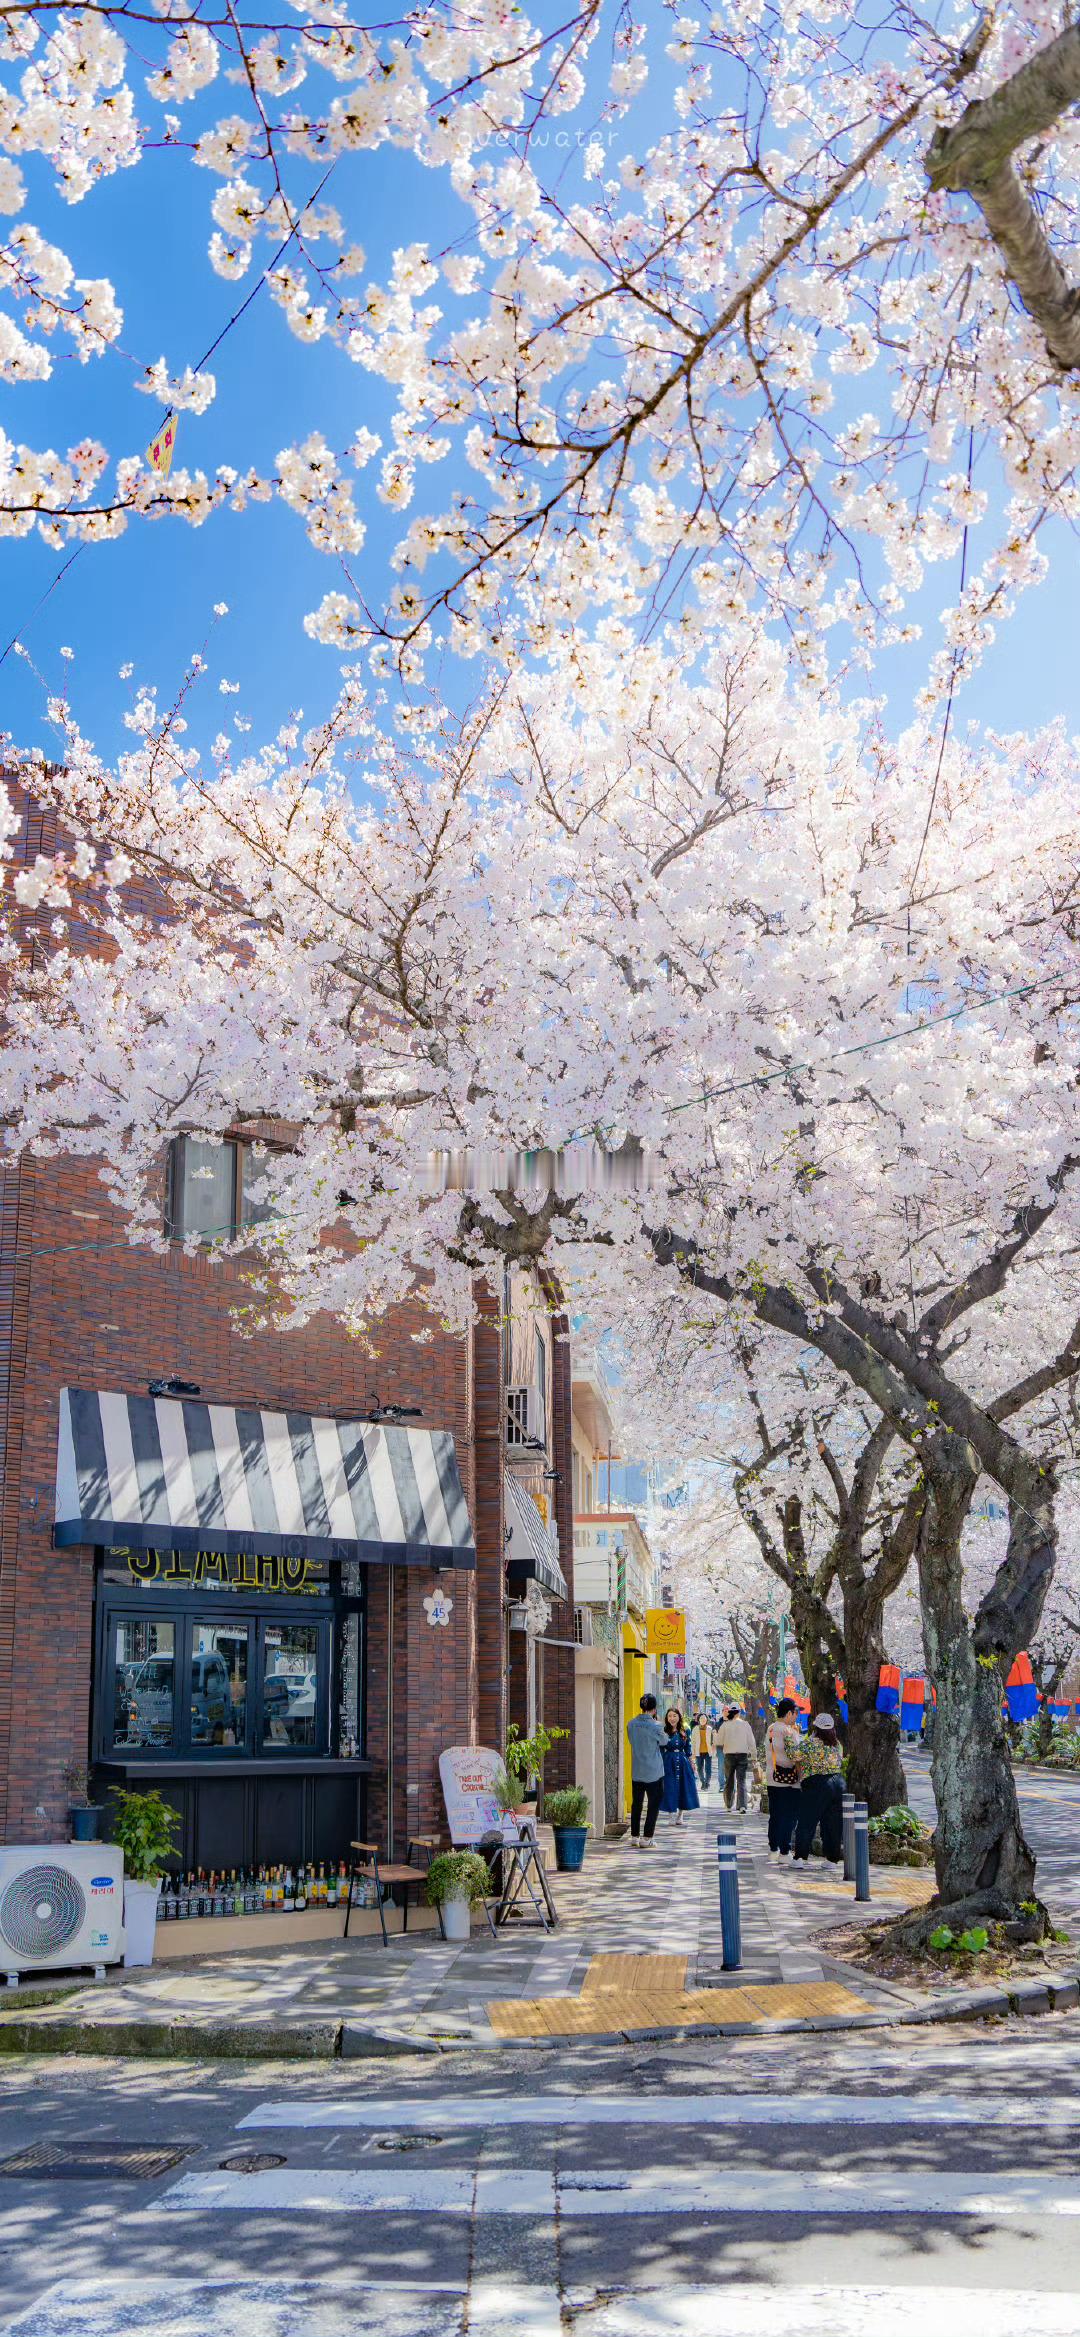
[[819, 1670], [984, 1864], [875, 1769]]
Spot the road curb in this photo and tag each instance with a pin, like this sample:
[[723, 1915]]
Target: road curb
[[174, 2040], [350, 2041], [1059, 1995]]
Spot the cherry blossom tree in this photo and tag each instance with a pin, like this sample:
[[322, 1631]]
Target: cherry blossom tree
[[825, 979], [806, 320], [830, 1496]]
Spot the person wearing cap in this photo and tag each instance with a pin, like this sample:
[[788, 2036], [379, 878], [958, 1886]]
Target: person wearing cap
[[821, 1789]]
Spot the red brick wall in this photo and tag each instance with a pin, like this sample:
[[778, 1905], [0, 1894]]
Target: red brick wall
[[86, 1309]]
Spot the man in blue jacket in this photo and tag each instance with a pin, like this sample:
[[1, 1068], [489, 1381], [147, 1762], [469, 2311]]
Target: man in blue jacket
[[646, 1771]]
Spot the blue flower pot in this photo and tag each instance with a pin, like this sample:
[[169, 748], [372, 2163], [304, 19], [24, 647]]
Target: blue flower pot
[[570, 1847], [85, 1823]]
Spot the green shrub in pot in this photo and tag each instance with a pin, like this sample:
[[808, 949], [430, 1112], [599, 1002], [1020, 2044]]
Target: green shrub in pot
[[569, 1806], [455, 1879], [143, 1829], [567, 1812], [457, 1874]]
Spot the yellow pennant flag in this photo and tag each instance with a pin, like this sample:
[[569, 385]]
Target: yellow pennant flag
[[160, 449]]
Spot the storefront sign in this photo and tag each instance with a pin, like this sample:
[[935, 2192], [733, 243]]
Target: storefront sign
[[665, 1631], [224, 1570], [469, 1774]]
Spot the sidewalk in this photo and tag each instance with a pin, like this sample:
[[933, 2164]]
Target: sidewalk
[[638, 1948]]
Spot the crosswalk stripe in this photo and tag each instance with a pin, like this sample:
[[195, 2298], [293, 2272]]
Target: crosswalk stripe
[[465, 2113], [606, 2191], [821, 2192], [730, 2310], [203, 2307], [345, 2190]]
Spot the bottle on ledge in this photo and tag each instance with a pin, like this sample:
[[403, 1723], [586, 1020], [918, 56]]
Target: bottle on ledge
[[301, 1890]]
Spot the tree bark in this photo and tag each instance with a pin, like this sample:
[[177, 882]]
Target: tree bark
[[875, 1769], [975, 156], [984, 1863]]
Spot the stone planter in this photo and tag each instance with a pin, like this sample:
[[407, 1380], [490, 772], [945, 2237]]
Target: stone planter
[[140, 1921], [457, 1918]]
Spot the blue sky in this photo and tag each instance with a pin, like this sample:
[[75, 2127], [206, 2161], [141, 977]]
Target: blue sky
[[148, 599]]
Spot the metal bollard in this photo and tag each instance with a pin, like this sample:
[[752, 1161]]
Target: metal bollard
[[849, 1837], [862, 1850], [730, 1925]]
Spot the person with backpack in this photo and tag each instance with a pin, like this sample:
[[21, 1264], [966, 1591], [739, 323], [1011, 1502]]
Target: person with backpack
[[782, 1748], [821, 1790]]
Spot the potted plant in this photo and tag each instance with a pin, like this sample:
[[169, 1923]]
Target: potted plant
[[524, 1758], [455, 1880], [143, 1828], [84, 1814], [567, 1813]]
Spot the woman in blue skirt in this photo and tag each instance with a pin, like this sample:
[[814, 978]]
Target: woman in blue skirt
[[680, 1783]]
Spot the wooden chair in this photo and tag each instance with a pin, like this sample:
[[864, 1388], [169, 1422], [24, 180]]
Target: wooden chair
[[383, 1875]]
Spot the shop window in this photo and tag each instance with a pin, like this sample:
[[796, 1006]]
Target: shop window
[[218, 1676], [290, 1694], [211, 1190], [144, 1685], [231, 1675]]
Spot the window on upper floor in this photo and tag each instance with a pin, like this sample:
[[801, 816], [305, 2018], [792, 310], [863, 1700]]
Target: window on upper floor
[[209, 1197]]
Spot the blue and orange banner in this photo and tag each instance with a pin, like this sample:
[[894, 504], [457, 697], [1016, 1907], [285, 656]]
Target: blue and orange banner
[[888, 1695], [1021, 1694]]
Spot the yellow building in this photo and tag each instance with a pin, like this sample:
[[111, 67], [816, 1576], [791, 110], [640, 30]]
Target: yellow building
[[615, 1582]]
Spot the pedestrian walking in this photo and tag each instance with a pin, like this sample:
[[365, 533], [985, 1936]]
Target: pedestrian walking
[[782, 1745], [703, 1739], [647, 1772], [821, 1790], [680, 1784], [737, 1744]]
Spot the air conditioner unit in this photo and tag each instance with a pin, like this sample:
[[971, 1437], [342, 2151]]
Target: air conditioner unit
[[526, 1424], [61, 1905]]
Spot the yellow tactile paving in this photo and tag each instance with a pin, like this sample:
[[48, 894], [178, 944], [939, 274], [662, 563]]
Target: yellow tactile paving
[[910, 1889], [605, 2009], [656, 1975]]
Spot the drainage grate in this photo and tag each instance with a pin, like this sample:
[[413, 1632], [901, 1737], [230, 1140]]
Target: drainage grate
[[92, 2162]]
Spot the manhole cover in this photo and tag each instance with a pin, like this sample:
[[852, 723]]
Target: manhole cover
[[254, 2162], [408, 2141], [92, 2162]]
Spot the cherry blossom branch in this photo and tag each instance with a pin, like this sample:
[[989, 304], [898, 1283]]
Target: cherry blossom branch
[[975, 156]]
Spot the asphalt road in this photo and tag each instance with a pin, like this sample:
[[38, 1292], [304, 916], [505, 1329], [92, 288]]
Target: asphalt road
[[878, 2183]]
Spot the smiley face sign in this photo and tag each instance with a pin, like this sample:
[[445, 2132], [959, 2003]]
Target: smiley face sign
[[665, 1631]]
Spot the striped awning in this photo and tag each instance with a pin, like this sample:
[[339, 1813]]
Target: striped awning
[[148, 1473], [532, 1551]]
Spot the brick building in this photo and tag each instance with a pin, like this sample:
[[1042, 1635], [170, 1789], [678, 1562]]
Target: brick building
[[220, 1585]]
